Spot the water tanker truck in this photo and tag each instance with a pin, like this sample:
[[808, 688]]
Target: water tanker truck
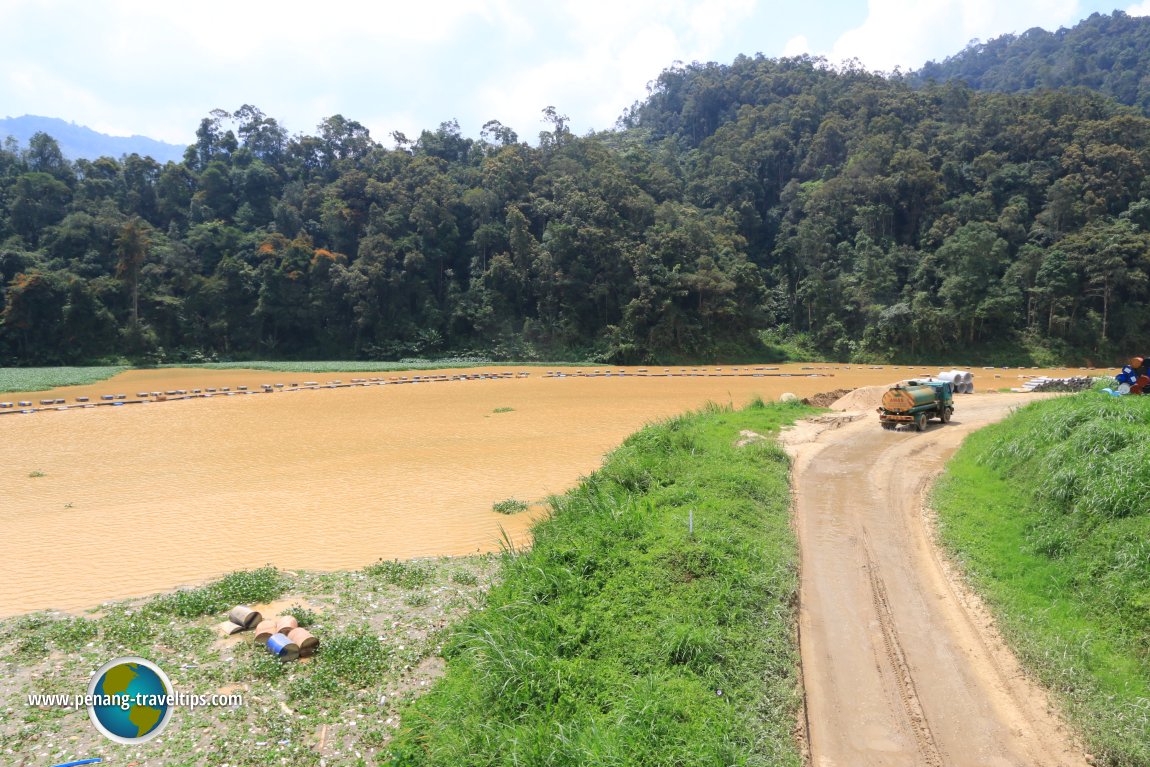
[[914, 402]]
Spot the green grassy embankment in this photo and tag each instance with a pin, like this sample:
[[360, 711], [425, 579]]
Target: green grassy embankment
[[1049, 514], [621, 638], [39, 379]]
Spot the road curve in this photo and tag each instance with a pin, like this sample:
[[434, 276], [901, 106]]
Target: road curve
[[901, 665]]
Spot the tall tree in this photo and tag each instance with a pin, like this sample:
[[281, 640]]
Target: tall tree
[[132, 250]]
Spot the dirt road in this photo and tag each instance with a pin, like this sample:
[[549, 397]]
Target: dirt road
[[901, 665]]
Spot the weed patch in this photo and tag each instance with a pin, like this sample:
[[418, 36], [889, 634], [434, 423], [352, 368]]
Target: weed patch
[[263, 585], [40, 379], [509, 506], [303, 616], [408, 575]]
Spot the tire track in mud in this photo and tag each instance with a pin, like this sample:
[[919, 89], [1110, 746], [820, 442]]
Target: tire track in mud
[[899, 668], [898, 665]]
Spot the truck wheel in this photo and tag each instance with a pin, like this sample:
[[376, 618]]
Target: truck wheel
[[946, 414], [888, 425], [920, 422]]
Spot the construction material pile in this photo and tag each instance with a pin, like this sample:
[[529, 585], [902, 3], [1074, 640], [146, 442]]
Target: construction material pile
[[961, 381], [282, 635], [1134, 378], [1045, 384]]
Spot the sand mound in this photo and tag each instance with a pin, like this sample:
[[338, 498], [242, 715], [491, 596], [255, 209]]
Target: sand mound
[[826, 398], [863, 398]]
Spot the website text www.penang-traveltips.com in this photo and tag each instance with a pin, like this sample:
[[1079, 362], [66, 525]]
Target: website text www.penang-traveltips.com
[[125, 702]]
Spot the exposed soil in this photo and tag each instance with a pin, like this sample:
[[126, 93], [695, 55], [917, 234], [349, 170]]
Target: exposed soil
[[825, 398], [862, 398], [901, 665]]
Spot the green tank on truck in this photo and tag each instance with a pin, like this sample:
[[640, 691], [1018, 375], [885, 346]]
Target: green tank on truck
[[915, 402]]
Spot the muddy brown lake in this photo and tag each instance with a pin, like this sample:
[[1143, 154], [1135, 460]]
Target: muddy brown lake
[[114, 502]]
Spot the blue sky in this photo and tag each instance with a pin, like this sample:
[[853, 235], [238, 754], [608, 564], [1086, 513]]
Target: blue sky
[[156, 67]]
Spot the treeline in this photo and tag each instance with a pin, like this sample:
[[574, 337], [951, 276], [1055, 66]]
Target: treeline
[[783, 199], [261, 244], [1109, 54]]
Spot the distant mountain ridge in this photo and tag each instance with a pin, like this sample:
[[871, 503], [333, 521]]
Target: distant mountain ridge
[[80, 142], [1109, 54]]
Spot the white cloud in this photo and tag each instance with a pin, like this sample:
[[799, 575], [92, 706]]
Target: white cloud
[[1141, 9], [798, 45], [711, 21], [157, 68], [383, 125], [129, 66], [615, 49], [907, 33], [38, 86]]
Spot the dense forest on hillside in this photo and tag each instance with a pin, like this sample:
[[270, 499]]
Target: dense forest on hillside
[[850, 213], [1105, 53]]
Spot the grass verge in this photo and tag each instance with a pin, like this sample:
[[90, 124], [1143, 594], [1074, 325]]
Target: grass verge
[[40, 379], [624, 638], [1049, 514]]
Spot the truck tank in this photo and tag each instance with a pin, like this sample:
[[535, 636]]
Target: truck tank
[[903, 399]]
